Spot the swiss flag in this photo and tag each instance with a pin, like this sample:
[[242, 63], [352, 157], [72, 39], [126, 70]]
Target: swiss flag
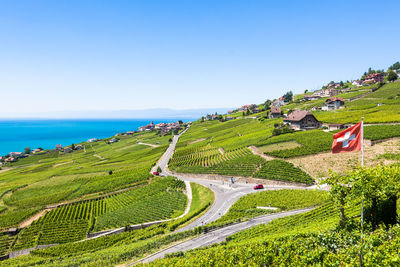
[[347, 140]]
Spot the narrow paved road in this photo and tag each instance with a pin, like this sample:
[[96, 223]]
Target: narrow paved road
[[219, 235], [225, 194]]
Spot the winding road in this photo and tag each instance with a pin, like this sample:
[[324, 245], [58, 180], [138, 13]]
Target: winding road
[[226, 195]]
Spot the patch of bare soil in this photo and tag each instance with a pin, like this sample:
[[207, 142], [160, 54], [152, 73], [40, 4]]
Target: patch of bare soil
[[98, 156], [63, 163], [146, 144], [5, 169], [319, 165], [257, 152], [28, 221], [279, 146], [196, 141]]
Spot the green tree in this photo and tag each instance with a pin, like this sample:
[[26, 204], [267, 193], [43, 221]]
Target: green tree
[[27, 150], [288, 96], [73, 146], [392, 76], [395, 66], [267, 104]]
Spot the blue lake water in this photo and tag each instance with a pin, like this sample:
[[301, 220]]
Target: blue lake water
[[15, 135]]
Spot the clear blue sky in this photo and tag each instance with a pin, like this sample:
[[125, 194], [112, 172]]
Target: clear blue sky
[[111, 55]]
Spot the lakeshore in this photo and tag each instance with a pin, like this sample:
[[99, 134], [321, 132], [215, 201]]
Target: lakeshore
[[17, 134]]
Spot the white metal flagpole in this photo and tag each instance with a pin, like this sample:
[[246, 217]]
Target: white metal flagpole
[[362, 198], [362, 142]]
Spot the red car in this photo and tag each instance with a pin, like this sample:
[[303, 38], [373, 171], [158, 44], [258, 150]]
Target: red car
[[259, 186], [156, 173]]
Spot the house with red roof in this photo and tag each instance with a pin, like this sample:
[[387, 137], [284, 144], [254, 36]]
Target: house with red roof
[[373, 78]]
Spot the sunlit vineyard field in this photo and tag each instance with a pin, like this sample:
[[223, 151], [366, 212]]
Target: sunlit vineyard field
[[118, 248], [303, 239], [311, 142], [378, 132], [38, 181], [161, 199], [388, 95]]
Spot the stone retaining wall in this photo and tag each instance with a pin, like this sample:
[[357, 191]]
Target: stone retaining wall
[[238, 179]]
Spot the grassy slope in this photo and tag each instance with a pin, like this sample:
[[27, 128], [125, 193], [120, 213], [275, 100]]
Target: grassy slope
[[286, 199]]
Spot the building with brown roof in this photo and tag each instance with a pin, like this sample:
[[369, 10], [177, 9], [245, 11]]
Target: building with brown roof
[[302, 120], [275, 112], [327, 92], [333, 103], [373, 78]]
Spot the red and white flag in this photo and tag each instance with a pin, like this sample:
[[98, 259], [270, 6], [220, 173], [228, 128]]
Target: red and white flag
[[348, 140]]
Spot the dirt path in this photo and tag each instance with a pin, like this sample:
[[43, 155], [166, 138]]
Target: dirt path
[[28, 221], [5, 169], [196, 141], [146, 144], [257, 152], [98, 156], [63, 163]]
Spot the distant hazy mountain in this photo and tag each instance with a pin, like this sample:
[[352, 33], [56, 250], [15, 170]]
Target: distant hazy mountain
[[122, 114]]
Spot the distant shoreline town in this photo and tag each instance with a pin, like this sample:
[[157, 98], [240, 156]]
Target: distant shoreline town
[[162, 129]]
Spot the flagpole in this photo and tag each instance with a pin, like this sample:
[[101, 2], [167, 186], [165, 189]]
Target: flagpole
[[362, 198], [362, 141]]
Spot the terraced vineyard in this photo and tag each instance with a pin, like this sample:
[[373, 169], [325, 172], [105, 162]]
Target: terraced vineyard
[[118, 248], [206, 156], [367, 107], [282, 170], [161, 199], [311, 142], [379, 132], [5, 243]]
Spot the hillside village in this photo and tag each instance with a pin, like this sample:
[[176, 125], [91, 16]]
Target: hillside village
[[259, 178], [297, 110], [161, 129]]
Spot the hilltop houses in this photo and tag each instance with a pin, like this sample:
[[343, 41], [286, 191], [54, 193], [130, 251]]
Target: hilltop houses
[[163, 127], [357, 83], [333, 103], [373, 78], [37, 150], [302, 120], [58, 147], [147, 127], [329, 92], [311, 97], [275, 112], [10, 159], [278, 102], [252, 108], [16, 155]]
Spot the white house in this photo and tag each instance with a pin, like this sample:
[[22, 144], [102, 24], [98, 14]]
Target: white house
[[333, 103]]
